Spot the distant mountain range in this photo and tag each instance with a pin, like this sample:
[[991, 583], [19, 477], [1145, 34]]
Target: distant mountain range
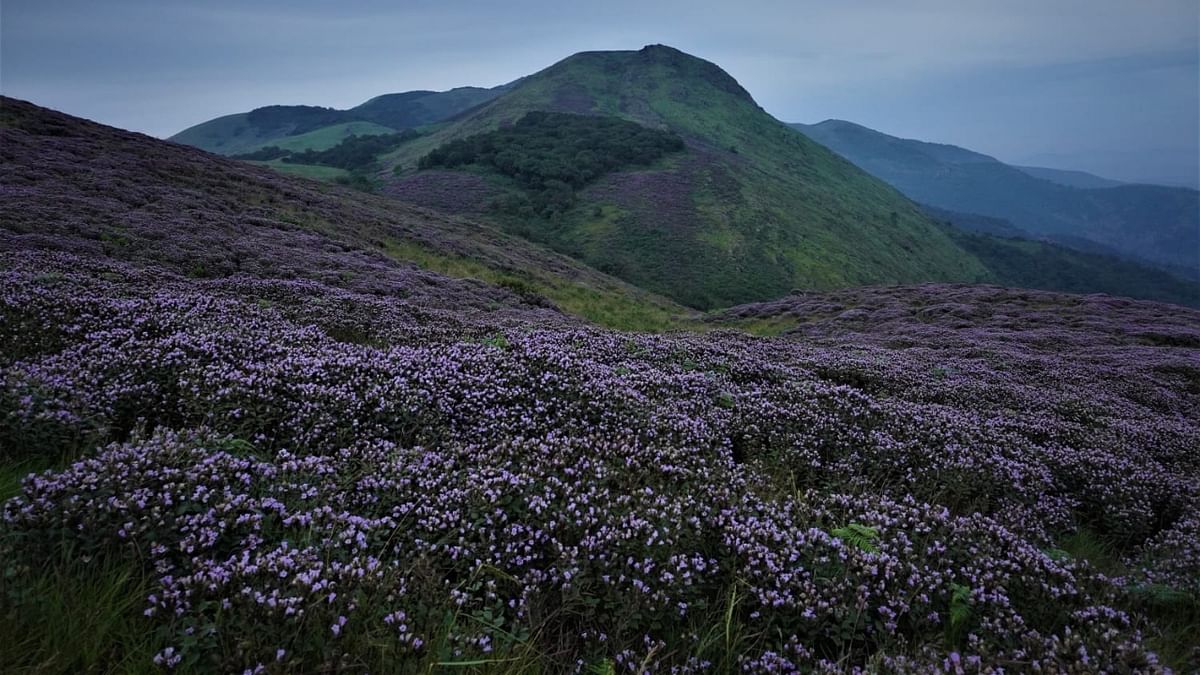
[[1075, 179], [1151, 223], [714, 202], [320, 128]]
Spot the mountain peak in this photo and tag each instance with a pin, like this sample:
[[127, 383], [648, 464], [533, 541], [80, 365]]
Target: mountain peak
[[650, 61]]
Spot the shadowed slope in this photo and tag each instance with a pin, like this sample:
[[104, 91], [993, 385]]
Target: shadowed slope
[[1146, 222]]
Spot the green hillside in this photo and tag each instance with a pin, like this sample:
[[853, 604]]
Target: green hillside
[[327, 137], [302, 127], [418, 108], [749, 210], [229, 135]]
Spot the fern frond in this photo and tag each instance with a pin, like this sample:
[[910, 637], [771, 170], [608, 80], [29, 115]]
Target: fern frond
[[960, 605], [859, 536]]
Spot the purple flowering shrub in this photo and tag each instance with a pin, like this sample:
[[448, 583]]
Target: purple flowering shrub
[[315, 477]]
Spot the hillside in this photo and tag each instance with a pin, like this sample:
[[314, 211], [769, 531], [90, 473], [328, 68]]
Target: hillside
[[747, 211], [310, 127], [240, 429], [80, 187], [1151, 223]]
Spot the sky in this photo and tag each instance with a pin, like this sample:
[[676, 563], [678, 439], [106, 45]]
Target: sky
[[1107, 86]]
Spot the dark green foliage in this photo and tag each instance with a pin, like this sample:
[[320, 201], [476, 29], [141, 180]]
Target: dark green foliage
[[298, 118], [358, 181], [551, 155], [264, 154], [960, 611], [859, 536], [355, 153]]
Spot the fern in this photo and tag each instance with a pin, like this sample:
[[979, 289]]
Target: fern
[[960, 606], [498, 340], [1057, 554], [1161, 595], [859, 536]]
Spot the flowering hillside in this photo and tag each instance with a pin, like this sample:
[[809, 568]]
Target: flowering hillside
[[293, 473]]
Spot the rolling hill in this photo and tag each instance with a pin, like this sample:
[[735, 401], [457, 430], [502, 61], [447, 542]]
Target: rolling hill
[[84, 188], [302, 127], [1152, 223], [748, 210]]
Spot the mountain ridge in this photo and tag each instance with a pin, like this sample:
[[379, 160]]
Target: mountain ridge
[[244, 132], [1149, 223]]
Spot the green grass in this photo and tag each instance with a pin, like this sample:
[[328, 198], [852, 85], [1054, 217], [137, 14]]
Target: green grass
[[327, 137], [1172, 628], [74, 615], [11, 475], [627, 310], [313, 171]]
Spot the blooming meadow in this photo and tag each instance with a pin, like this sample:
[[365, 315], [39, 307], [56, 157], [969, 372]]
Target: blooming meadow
[[402, 472], [315, 477]]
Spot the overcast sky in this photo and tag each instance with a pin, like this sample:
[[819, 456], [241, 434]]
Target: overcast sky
[[1108, 86]]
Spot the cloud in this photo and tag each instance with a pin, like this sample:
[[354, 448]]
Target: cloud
[[161, 65]]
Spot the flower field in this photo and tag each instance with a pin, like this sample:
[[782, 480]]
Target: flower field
[[272, 467], [314, 478]]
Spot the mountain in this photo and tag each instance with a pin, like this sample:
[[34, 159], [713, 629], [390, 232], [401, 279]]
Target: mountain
[[1152, 223], [748, 210], [84, 188], [658, 167], [294, 126], [1076, 179]]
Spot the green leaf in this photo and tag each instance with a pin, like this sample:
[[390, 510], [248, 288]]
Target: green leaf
[[859, 536]]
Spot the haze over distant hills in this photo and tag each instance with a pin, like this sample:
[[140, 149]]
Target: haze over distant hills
[[1152, 223], [1070, 178]]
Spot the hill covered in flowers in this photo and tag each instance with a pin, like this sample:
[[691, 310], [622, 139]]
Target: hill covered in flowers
[[274, 467]]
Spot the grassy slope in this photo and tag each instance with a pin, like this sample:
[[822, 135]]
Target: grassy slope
[[327, 137], [228, 135], [1020, 262], [351, 220], [235, 134], [314, 171], [418, 108], [763, 208]]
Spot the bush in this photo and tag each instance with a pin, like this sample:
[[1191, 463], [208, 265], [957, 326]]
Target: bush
[[355, 153], [551, 155]]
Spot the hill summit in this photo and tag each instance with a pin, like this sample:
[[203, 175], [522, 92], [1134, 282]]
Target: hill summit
[[748, 210]]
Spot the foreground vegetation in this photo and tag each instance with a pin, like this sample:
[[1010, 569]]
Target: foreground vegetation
[[255, 462], [250, 423], [552, 155]]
